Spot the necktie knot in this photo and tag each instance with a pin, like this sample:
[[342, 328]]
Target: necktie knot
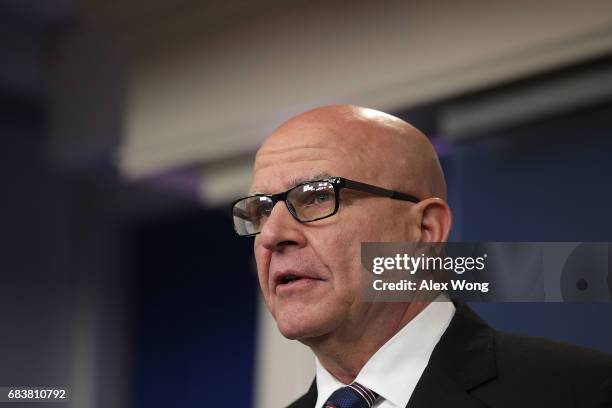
[[353, 395]]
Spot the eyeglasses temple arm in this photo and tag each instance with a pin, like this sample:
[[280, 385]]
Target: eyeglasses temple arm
[[368, 188]]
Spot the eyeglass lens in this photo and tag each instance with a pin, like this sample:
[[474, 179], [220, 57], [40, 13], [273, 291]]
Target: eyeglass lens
[[306, 202]]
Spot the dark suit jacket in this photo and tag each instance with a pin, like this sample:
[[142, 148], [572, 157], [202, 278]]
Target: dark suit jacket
[[476, 366]]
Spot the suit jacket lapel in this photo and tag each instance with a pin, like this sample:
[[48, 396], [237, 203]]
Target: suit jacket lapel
[[463, 359], [436, 389]]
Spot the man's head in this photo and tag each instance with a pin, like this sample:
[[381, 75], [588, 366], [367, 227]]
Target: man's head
[[362, 145]]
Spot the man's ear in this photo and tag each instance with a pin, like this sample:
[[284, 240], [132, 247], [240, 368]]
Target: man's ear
[[436, 220]]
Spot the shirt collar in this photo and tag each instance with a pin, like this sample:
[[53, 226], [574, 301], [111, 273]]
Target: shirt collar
[[394, 370]]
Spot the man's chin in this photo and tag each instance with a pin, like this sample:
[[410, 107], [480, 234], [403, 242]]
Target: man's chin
[[299, 321], [301, 329], [296, 333]]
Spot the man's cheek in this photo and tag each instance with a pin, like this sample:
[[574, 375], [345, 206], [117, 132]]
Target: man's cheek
[[348, 252], [263, 271]]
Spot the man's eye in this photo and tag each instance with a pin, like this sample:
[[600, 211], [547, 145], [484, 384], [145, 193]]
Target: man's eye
[[260, 211], [264, 211], [318, 198], [323, 197]]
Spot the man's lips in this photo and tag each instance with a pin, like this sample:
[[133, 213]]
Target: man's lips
[[292, 279]]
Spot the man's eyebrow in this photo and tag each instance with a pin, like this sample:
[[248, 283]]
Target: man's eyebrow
[[299, 180]]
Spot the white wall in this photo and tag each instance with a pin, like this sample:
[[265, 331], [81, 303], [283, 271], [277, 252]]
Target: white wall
[[284, 369]]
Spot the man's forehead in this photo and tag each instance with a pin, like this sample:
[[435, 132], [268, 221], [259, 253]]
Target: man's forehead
[[298, 154], [270, 154], [304, 148], [303, 138]]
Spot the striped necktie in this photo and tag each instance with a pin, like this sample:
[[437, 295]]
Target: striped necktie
[[354, 395]]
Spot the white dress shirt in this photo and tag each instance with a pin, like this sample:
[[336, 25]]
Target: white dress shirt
[[394, 370]]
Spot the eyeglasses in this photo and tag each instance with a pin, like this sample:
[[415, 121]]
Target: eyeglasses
[[306, 202]]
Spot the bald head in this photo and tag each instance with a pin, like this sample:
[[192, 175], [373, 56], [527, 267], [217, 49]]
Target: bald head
[[372, 146]]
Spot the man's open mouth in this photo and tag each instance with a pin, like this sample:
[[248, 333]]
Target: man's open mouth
[[293, 279], [290, 278]]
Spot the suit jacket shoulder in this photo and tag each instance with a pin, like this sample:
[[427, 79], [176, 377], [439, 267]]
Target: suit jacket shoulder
[[474, 366], [548, 373], [482, 367]]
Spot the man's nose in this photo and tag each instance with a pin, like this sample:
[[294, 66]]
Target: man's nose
[[281, 229]]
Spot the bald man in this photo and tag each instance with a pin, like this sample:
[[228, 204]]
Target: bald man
[[331, 178]]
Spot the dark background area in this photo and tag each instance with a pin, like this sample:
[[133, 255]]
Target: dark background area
[[194, 310]]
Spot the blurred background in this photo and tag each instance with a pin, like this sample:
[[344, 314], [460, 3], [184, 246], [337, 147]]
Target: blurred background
[[127, 128]]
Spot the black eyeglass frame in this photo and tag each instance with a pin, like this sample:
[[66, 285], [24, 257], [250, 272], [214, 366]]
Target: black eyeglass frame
[[338, 183]]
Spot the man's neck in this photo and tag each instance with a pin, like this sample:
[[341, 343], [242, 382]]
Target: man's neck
[[345, 352]]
